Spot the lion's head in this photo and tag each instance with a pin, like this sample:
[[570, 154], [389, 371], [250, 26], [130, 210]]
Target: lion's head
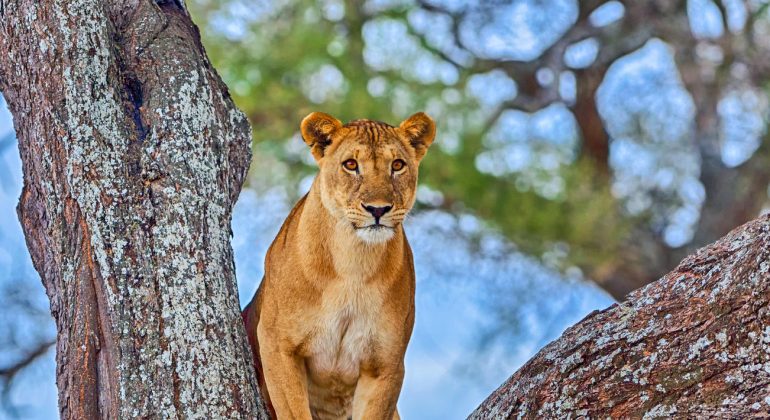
[[368, 169]]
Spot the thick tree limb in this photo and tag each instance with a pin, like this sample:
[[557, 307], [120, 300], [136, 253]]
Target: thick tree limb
[[133, 156], [695, 344]]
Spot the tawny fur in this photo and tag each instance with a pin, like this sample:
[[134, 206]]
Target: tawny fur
[[332, 318]]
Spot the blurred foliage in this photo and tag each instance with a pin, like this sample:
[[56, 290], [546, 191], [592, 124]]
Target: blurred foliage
[[266, 67], [526, 140]]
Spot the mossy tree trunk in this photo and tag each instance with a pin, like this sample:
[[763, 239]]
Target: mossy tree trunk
[[694, 344], [133, 156]]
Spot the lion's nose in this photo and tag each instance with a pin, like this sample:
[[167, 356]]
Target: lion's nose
[[376, 211]]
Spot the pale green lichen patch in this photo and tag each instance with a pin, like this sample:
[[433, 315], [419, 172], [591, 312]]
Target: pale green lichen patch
[[695, 349], [661, 411]]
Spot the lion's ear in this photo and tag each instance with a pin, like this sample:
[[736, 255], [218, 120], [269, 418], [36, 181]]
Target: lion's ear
[[420, 131], [317, 129]]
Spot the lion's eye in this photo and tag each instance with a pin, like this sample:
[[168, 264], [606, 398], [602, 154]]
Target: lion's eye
[[350, 165], [397, 165]]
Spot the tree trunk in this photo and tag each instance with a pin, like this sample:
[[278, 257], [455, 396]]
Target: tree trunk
[[694, 344], [133, 156]]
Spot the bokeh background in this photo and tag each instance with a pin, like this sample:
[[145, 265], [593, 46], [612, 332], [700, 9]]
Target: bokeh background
[[584, 147]]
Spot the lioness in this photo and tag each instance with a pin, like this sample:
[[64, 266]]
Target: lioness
[[332, 318]]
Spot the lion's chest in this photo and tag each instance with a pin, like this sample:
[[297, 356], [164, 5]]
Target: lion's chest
[[344, 334]]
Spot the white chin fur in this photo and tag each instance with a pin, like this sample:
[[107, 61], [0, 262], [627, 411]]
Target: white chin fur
[[375, 236]]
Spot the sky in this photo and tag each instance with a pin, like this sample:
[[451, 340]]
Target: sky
[[461, 292]]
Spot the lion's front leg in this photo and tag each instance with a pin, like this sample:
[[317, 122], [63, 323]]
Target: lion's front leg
[[377, 394], [286, 380]]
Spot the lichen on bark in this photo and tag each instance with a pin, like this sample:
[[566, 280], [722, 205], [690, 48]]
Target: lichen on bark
[[133, 156], [694, 344]]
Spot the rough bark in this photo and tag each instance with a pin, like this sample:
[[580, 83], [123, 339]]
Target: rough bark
[[133, 156], [694, 344]]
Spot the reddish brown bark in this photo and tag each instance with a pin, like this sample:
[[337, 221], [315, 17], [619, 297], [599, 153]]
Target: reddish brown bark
[[694, 344]]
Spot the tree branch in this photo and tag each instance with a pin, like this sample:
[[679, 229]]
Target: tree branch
[[9, 372], [694, 344]]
